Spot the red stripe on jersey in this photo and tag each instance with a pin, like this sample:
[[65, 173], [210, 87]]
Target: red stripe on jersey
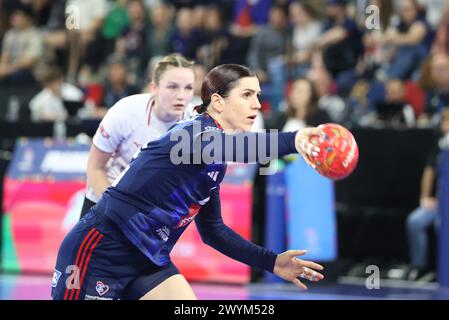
[[83, 273], [83, 256], [80, 250]]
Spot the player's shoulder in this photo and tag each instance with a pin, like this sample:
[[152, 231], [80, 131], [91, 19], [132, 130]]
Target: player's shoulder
[[196, 121], [132, 106], [195, 126]]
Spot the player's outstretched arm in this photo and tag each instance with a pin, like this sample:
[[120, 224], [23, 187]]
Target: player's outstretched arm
[[225, 240], [248, 147], [290, 268], [219, 236]]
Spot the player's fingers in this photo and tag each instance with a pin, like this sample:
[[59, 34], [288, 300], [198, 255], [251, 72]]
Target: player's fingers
[[310, 274], [298, 283], [308, 148], [307, 264], [312, 265], [312, 131], [295, 253]]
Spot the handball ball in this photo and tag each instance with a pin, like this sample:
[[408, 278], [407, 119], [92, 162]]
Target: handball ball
[[339, 152]]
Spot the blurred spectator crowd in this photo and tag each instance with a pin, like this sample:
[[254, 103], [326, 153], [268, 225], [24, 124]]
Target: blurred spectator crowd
[[327, 60]]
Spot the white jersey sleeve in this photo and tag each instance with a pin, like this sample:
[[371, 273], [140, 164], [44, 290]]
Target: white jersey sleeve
[[112, 129], [119, 134]]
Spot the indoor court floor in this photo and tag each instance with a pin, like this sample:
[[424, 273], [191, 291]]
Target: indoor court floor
[[32, 287]]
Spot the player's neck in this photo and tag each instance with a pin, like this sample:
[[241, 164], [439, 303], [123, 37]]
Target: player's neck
[[218, 118], [161, 115]]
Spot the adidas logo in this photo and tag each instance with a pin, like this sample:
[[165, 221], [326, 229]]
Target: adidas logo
[[213, 175]]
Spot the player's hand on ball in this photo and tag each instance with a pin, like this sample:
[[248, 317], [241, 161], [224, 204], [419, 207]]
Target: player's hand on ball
[[304, 147], [290, 268]]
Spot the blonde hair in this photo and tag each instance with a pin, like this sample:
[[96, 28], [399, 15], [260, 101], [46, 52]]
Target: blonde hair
[[173, 60]]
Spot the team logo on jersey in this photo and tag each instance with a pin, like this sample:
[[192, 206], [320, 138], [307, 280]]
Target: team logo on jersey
[[101, 288], [163, 233], [103, 132], [56, 276]]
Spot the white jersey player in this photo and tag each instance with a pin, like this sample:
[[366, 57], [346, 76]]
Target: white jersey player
[[135, 120]]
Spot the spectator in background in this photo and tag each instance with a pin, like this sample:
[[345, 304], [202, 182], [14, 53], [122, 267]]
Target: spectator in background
[[116, 19], [248, 17], [302, 108], [266, 55], [41, 10], [84, 50], [115, 22], [21, 48], [185, 38], [117, 86], [341, 45], [54, 35], [270, 42], [199, 13], [394, 111], [433, 11], [427, 213], [437, 98], [132, 44], [373, 53], [200, 73], [328, 100], [305, 32], [386, 12], [161, 29], [441, 43], [362, 112], [48, 104], [410, 39], [215, 38]]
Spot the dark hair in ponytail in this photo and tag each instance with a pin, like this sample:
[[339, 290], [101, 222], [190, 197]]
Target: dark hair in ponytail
[[221, 80]]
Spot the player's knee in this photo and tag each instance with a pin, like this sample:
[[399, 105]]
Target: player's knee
[[173, 288]]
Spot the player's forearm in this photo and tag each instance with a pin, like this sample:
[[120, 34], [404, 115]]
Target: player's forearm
[[98, 180], [219, 236], [225, 240]]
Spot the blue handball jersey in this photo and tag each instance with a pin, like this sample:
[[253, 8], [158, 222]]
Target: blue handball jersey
[[166, 185]]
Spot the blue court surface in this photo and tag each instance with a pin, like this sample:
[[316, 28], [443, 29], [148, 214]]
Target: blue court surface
[[32, 287]]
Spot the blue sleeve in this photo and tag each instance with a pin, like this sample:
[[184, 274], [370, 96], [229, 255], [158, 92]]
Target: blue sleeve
[[216, 146], [219, 236]]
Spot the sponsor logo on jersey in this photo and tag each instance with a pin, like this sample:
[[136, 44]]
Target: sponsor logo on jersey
[[103, 132], [55, 280], [101, 288]]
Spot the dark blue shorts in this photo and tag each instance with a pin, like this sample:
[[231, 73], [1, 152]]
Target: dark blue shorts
[[96, 261]]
